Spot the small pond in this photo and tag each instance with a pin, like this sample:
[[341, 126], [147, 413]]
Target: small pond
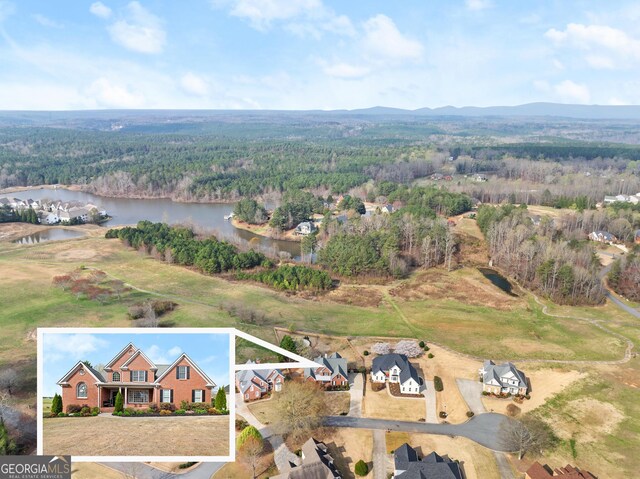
[[498, 280], [52, 234]]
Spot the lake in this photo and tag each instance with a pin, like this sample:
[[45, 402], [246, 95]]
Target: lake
[[53, 234], [498, 280], [125, 211]]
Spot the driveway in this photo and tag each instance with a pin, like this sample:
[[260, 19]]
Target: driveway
[[483, 429], [140, 470], [430, 402], [379, 455], [622, 305], [356, 387], [472, 393]]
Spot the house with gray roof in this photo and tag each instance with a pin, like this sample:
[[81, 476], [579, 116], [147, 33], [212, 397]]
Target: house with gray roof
[[602, 237], [333, 371], [316, 463], [407, 465], [256, 383], [503, 379], [396, 368]]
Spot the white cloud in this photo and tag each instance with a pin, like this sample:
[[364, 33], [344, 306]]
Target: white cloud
[[605, 46], [345, 70], [99, 9], [160, 356], [46, 22], [385, 42], [6, 10], [571, 92], [476, 5], [542, 85], [140, 30], [557, 64], [112, 95], [261, 13], [194, 84], [71, 346]]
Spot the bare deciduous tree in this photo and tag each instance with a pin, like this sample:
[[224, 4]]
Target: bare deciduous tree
[[300, 408], [9, 380], [250, 454], [526, 435]]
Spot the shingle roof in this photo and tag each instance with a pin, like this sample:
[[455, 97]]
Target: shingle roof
[[498, 371], [432, 466], [333, 362], [245, 377], [317, 463], [387, 361]]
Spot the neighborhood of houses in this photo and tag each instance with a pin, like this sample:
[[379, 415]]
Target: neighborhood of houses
[[140, 381], [633, 199], [54, 212]]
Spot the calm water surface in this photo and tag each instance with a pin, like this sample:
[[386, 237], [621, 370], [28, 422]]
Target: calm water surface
[[48, 235], [124, 211]]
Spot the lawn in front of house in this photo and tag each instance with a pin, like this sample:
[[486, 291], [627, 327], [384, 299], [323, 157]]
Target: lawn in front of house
[[137, 436], [265, 411], [381, 405]]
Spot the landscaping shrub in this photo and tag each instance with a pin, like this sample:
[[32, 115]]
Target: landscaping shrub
[[126, 413], [199, 405], [185, 405], [165, 412], [213, 411], [241, 424], [73, 408], [513, 410], [180, 412], [166, 406], [85, 411], [119, 405], [437, 383], [361, 468], [362, 370], [246, 433], [201, 411], [427, 348], [130, 410], [186, 465], [442, 414], [470, 413], [421, 344], [153, 408], [221, 400], [485, 393], [96, 410], [62, 414], [366, 353], [430, 355], [56, 404], [377, 387]]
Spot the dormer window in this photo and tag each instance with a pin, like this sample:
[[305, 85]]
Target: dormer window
[[116, 377]]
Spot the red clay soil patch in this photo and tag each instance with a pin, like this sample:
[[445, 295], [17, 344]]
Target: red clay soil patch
[[437, 284], [394, 388], [356, 296]]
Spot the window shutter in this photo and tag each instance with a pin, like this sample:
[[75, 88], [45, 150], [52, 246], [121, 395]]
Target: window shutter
[[204, 399], [188, 372], [145, 376], [171, 395], [193, 395], [177, 372], [130, 376]]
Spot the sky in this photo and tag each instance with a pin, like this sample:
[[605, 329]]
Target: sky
[[61, 351], [316, 54]]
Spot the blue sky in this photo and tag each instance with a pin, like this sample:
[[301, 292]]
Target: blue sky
[[63, 350], [307, 54]]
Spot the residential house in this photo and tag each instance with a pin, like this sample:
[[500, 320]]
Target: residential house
[[633, 199], [602, 237], [503, 379], [538, 471], [141, 382], [47, 218], [316, 463], [387, 209], [254, 384], [305, 228], [396, 368], [480, 178], [407, 465], [333, 371]]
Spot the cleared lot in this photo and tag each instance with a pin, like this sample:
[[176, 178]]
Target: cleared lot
[[144, 436]]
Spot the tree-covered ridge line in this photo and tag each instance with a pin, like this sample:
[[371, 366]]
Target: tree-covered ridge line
[[180, 245]]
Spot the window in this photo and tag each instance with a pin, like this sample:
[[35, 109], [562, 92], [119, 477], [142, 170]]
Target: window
[[81, 391], [183, 372], [116, 377], [138, 396], [165, 395], [197, 395], [138, 376]]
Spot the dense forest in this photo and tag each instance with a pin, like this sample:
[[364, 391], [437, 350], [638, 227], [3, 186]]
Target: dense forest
[[541, 257], [624, 276]]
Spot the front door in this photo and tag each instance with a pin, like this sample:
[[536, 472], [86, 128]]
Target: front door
[[112, 397]]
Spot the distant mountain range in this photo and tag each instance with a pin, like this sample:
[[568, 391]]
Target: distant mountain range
[[529, 110]]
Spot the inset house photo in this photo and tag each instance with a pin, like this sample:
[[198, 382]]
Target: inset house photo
[[125, 392]]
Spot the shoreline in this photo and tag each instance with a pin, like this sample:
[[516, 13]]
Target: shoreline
[[259, 230]]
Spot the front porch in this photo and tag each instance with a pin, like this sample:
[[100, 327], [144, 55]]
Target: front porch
[[134, 396]]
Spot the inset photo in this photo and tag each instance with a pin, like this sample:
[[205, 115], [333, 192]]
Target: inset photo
[[126, 394]]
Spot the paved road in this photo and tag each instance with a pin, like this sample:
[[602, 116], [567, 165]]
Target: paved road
[[379, 454], [356, 386], [505, 469], [472, 393], [483, 429], [139, 470], [430, 402], [622, 304]]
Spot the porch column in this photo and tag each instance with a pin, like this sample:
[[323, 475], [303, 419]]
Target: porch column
[[125, 396]]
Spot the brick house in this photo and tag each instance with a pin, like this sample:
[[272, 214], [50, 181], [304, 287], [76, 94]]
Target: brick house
[[254, 384], [333, 371], [141, 382], [538, 471]]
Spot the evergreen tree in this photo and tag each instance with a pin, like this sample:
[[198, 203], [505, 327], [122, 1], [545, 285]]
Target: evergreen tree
[[56, 404], [119, 406], [288, 344], [247, 432], [221, 400], [7, 445]]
